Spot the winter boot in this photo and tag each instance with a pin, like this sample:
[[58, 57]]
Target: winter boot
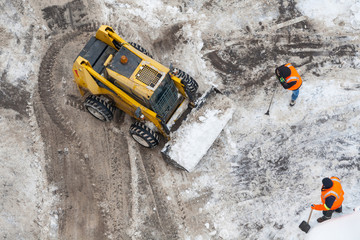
[[339, 210], [323, 218], [292, 103]]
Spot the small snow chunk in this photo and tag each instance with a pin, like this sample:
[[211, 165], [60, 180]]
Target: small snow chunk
[[202, 119], [224, 234], [213, 233]]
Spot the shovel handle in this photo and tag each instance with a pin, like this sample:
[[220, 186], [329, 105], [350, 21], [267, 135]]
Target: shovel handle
[[310, 216]]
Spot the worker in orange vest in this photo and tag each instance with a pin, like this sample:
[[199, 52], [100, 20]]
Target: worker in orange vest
[[289, 79], [332, 197]]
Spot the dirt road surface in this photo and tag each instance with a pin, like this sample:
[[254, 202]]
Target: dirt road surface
[[106, 186]]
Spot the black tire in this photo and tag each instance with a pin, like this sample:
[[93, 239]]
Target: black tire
[[99, 108], [144, 135], [190, 85], [141, 49]]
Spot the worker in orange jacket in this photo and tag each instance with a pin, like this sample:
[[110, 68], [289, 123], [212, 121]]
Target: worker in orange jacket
[[289, 79], [332, 197]]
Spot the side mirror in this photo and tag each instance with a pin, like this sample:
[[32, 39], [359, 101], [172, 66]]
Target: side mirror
[[171, 67], [138, 112]]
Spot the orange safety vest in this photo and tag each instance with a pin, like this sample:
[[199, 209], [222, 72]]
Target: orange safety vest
[[336, 191], [294, 76]]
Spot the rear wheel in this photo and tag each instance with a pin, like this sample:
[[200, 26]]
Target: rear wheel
[[99, 108], [141, 49], [144, 135]]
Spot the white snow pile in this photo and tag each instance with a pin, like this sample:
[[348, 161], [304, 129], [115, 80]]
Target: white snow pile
[[195, 136], [344, 227]]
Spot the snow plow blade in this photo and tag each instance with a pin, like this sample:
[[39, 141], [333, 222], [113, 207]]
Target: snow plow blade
[[196, 134]]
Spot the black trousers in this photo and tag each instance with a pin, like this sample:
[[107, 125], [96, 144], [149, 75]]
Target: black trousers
[[329, 213]]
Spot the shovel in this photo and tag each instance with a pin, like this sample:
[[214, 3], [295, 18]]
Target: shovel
[[268, 111], [304, 226]]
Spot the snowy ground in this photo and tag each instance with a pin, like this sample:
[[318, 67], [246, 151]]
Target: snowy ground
[[262, 174]]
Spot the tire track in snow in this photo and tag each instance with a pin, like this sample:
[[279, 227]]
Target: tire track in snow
[[139, 179]]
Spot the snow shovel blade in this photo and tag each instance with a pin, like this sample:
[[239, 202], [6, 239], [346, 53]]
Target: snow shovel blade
[[196, 134], [304, 226]]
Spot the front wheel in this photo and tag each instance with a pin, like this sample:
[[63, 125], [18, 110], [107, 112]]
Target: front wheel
[[99, 108], [144, 135], [190, 85]]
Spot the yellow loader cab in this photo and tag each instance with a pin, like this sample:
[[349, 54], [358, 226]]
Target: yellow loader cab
[[112, 73]]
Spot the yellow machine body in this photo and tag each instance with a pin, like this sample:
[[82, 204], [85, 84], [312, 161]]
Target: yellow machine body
[[131, 90]]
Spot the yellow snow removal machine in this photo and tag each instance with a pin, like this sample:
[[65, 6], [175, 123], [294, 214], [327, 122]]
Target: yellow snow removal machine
[[112, 73]]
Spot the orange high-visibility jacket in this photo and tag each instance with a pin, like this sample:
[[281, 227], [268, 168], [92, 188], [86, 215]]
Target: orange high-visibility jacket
[[293, 77], [336, 191]]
